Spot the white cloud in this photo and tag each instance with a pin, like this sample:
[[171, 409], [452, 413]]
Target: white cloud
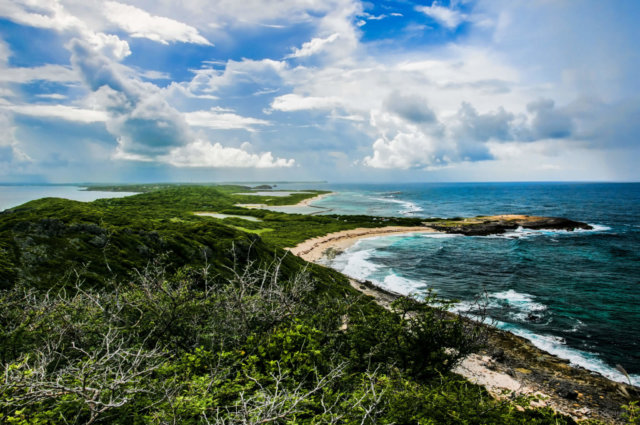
[[53, 73], [52, 14], [148, 128], [49, 14], [12, 157], [138, 115], [404, 151], [223, 120], [445, 16], [295, 102], [267, 73], [141, 24], [54, 96], [222, 14], [205, 154], [312, 47], [67, 113]]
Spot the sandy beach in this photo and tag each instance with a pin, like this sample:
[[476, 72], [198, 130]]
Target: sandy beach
[[510, 365], [304, 203], [314, 249], [307, 202]]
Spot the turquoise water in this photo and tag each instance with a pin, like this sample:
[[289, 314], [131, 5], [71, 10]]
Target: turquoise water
[[574, 294]]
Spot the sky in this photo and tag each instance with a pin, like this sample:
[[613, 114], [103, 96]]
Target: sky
[[336, 90]]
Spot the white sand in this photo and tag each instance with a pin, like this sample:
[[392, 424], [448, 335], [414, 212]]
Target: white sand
[[314, 249]]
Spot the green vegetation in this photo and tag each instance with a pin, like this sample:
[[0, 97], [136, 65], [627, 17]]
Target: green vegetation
[[135, 311]]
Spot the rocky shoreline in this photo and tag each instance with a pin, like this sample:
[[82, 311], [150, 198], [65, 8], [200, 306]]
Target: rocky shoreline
[[511, 366], [498, 224]]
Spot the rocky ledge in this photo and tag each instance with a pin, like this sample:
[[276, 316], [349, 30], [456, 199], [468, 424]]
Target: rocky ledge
[[497, 224]]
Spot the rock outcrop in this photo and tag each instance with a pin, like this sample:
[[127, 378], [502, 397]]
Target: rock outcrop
[[497, 224]]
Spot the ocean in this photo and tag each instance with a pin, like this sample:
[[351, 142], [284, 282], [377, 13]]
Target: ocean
[[573, 294]]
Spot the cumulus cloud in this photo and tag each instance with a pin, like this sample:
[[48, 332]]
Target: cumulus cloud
[[406, 150], [143, 122], [450, 18], [312, 47], [148, 128], [206, 154], [139, 23], [470, 125]]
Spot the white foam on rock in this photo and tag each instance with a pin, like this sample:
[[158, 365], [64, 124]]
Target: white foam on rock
[[558, 347]]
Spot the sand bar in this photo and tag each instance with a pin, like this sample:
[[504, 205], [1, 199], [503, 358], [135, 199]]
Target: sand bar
[[314, 249], [304, 203], [307, 202]]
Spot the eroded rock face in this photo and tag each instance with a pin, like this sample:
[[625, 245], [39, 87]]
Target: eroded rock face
[[491, 225]]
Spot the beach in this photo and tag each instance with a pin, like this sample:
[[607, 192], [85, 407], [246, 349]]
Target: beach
[[307, 202], [314, 249], [509, 365], [304, 203]]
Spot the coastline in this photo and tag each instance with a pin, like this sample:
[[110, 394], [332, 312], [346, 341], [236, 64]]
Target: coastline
[[307, 202], [510, 365], [314, 249], [304, 203]]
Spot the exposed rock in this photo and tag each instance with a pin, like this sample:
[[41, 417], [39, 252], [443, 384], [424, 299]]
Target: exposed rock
[[491, 225], [567, 392]]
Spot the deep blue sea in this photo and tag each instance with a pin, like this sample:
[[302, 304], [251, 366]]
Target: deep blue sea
[[574, 294]]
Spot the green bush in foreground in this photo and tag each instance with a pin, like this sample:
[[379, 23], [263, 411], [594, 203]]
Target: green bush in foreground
[[258, 347]]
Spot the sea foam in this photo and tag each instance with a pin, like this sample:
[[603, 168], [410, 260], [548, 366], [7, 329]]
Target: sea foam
[[557, 347], [523, 233], [356, 264], [409, 207], [402, 285], [522, 306]]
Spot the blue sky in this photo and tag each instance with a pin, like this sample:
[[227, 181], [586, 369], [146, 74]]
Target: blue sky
[[338, 90]]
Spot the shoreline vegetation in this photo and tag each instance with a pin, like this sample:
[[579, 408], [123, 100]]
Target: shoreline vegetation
[[189, 288]]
